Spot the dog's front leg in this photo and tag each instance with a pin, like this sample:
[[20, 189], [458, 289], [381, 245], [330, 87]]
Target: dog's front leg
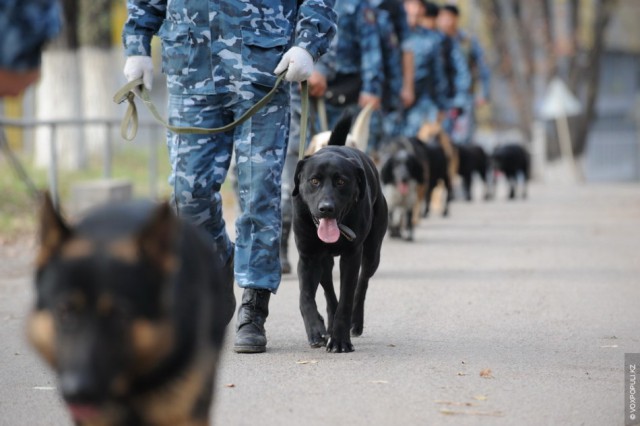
[[310, 274], [340, 340]]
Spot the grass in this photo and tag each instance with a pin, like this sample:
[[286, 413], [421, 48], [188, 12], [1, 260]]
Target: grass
[[131, 162], [17, 208]]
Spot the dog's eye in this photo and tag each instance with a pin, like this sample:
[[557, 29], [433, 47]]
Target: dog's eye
[[340, 182], [314, 181], [69, 314]]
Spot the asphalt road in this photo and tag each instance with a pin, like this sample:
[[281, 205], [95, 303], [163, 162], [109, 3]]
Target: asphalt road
[[543, 293]]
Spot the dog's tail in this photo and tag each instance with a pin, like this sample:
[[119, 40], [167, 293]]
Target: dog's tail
[[360, 132], [340, 132]]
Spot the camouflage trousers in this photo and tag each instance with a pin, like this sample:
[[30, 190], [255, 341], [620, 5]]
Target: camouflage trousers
[[200, 164], [424, 110]]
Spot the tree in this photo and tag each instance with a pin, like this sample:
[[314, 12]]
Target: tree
[[538, 40], [78, 82]]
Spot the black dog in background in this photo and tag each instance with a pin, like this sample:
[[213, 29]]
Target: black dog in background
[[338, 210], [514, 161], [130, 312], [472, 160]]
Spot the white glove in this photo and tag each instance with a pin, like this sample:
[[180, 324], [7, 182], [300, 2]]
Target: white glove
[[139, 66], [298, 63]]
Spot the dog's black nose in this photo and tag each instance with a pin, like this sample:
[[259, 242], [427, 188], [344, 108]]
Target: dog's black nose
[[326, 207], [78, 388]]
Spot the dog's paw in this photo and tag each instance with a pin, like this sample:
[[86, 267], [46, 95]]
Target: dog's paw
[[339, 345], [356, 330], [317, 341]]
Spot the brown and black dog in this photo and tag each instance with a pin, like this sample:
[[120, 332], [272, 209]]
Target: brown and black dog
[[130, 312]]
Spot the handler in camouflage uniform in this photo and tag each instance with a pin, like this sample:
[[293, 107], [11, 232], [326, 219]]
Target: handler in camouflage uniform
[[220, 58], [26, 26]]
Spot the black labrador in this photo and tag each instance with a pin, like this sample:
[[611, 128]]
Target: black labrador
[[472, 159], [514, 161], [339, 210]]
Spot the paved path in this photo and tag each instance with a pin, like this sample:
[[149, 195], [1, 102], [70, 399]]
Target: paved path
[[544, 293]]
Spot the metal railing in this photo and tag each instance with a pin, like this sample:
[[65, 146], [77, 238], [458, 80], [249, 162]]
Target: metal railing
[[107, 155]]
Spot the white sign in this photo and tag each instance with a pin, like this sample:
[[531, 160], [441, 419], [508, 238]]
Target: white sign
[[558, 101]]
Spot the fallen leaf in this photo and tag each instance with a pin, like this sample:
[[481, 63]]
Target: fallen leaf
[[461, 373], [230, 385], [455, 403], [446, 411], [480, 397], [308, 361], [379, 382], [486, 373]]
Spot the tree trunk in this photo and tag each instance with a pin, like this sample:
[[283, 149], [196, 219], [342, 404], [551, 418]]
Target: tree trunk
[[58, 97], [590, 74], [97, 70]]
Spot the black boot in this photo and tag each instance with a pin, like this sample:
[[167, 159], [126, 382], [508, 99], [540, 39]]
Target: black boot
[[227, 286], [285, 266], [250, 334]]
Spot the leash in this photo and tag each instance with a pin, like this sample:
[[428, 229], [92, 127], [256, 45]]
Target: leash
[[135, 88]]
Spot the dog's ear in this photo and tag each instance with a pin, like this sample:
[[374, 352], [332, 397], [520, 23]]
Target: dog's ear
[[386, 174], [296, 177], [53, 231], [157, 239]]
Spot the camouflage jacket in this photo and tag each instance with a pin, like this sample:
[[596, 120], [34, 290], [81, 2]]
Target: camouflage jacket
[[394, 33], [478, 68], [356, 48], [26, 26], [218, 46], [456, 71], [429, 65]]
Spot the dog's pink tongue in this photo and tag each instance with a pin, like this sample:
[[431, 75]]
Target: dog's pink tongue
[[403, 188], [81, 412], [328, 230]]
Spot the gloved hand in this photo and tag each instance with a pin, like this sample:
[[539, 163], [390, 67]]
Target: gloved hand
[[299, 63], [139, 66]]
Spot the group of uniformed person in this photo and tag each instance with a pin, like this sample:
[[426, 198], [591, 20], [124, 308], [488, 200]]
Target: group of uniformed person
[[409, 60]]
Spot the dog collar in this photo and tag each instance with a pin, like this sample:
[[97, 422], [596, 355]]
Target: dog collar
[[344, 229]]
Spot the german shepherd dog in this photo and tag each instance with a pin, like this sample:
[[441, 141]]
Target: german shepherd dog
[[130, 312], [338, 210]]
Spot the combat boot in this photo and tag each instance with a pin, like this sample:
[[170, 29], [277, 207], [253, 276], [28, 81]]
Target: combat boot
[[227, 288], [250, 333], [285, 266]]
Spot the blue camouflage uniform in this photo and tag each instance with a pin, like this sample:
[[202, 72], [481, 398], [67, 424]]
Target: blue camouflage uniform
[[355, 50], [458, 79], [394, 33], [481, 74], [219, 59], [430, 82], [26, 26]]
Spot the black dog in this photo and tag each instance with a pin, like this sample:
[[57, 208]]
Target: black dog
[[130, 312], [339, 210], [472, 159], [514, 161], [403, 177]]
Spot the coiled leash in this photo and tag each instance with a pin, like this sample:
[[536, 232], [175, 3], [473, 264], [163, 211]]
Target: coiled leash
[[135, 88]]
